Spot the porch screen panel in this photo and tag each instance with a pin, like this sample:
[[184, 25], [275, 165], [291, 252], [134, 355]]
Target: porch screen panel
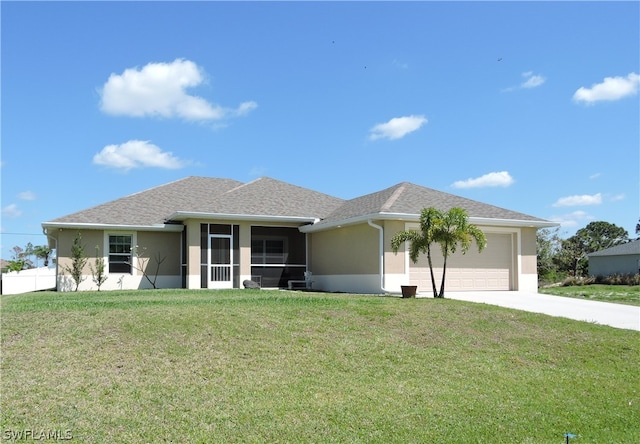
[[183, 262], [236, 256], [204, 241], [278, 254]]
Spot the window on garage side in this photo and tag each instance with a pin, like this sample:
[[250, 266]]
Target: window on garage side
[[120, 250]]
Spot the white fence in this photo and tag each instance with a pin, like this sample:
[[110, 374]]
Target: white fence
[[25, 281]]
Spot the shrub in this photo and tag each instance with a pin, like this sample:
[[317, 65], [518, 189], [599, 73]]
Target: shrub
[[614, 279]]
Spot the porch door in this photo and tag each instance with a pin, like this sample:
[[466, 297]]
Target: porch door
[[220, 261]]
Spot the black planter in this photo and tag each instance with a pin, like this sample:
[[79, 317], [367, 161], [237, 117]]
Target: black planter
[[409, 291]]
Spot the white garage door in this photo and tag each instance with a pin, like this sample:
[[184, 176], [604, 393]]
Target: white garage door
[[489, 270]]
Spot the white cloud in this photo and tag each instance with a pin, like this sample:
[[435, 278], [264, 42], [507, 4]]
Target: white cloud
[[401, 65], [27, 195], [573, 219], [617, 197], [11, 211], [136, 154], [611, 88], [496, 179], [397, 127], [579, 200], [532, 80], [159, 89], [245, 108], [595, 176]]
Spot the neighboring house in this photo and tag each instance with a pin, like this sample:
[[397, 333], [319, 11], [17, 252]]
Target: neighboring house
[[217, 233], [621, 259]]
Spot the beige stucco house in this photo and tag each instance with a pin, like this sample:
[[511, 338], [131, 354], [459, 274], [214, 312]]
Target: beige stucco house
[[217, 233]]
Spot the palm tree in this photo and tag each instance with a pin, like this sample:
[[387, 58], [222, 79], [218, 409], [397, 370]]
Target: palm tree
[[450, 229], [420, 241], [42, 252], [454, 229]]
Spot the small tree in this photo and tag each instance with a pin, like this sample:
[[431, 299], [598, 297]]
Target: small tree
[[98, 275], [450, 229], [42, 252], [548, 244], [78, 261], [420, 241], [142, 262], [15, 265], [18, 260]]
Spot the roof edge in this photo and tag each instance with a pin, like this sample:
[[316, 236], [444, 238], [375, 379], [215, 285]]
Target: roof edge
[[183, 215], [485, 221], [92, 226]]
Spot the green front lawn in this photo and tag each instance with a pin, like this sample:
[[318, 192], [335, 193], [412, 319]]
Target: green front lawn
[[270, 366], [620, 294]]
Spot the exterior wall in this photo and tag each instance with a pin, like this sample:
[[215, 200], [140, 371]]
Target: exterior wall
[[348, 283], [347, 259], [193, 253], [166, 245], [393, 263], [527, 276], [65, 238], [617, 264], [349, 250]]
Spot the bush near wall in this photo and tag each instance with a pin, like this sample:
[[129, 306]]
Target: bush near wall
[[614, 279]]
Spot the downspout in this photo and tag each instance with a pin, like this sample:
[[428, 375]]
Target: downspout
[[381, 249]]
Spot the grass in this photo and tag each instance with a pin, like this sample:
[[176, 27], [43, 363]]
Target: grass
[[619, 294], [262, 366]]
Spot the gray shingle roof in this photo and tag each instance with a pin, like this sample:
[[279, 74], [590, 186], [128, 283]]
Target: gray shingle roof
[[263, 196], [270, 197], [632, 247], [408, 198], [152, 206]]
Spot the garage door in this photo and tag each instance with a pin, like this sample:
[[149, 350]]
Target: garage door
[[489, 270]]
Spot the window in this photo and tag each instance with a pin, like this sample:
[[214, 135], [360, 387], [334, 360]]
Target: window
[[120, 253]]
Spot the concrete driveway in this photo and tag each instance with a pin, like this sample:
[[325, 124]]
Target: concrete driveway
[[605, 313]]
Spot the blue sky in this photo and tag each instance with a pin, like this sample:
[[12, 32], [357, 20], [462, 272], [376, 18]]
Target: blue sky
[[530, 106]]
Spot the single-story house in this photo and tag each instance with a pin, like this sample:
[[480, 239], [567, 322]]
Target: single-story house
[[216, 233], [622, 259]]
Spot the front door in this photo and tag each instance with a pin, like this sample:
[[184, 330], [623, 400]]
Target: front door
[[220, 261]]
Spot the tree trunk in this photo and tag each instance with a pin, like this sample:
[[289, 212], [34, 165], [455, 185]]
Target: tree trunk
[[444, 271], [433, 278]]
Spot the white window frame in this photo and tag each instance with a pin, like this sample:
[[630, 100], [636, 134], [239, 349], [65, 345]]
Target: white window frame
[[105, 251]]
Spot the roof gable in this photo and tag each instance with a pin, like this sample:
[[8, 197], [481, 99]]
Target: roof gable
[[410, 199]]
